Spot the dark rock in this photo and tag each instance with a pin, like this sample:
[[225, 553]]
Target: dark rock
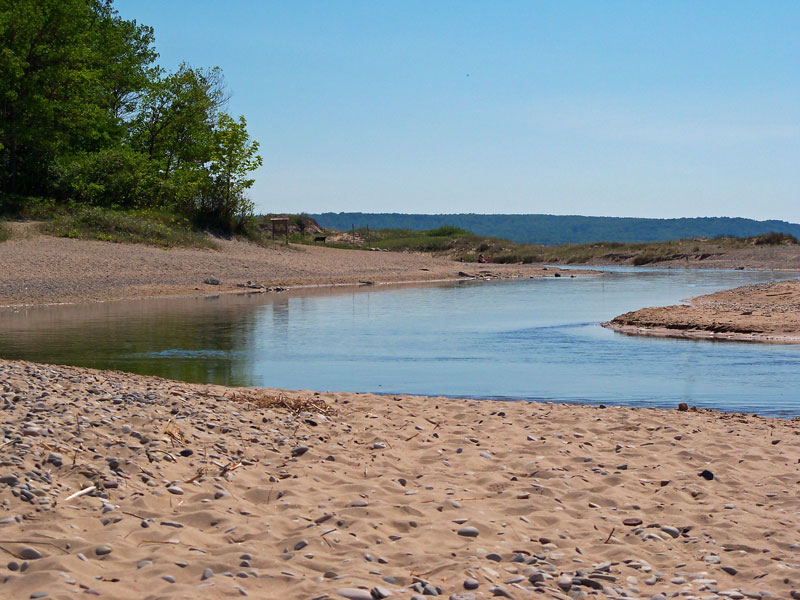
[[706, 474]]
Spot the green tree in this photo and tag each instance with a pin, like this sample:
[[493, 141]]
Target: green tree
[[234, 156], [70, 70]]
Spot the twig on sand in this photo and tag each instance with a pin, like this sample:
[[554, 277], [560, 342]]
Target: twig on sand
[[29, 542], [608, 539], [82, 492]]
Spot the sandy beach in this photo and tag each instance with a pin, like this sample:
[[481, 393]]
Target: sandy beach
[[757, 313], [40, 269], [126, 486]]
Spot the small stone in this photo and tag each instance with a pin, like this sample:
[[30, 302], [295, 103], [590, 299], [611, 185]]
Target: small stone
[[172, 524], [102, 550], [471, 584], [359, 504], [207, 574], [30, 554], [658, 597], [168, 578], [35, 595], [673, 531], [379, 592], [186, 452], [13, 566], [632, 522], [299, 451], [208, 281], [174, 489], [494, 557], [469, 531], [300, 545], [565, 582], [144, 563], [500, 591], [706, 474], [729, 570], [683, 407]]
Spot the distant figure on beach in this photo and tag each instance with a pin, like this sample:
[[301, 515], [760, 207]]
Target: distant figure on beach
[[481, 259]]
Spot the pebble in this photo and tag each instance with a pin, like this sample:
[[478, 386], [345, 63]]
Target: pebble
[[30, 554], [299, 450], [469, 531], [632, 522], [673, 531], [102, 550], [174, 489], [168, 578], [207, 574], [471, 584]]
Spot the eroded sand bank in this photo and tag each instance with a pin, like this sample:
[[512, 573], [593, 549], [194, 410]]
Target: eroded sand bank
[[768, 312]]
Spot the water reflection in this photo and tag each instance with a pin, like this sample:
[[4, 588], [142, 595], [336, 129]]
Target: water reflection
[[524, 339]]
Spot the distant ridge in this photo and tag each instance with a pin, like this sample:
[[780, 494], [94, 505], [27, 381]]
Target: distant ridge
[[551, 230]]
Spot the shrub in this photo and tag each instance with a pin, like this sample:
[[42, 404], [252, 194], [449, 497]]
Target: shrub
[[774, 238], [118, 177], [5, 231], [446, 231]]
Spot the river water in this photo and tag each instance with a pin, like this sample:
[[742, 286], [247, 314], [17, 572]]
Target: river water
[[536, 339]]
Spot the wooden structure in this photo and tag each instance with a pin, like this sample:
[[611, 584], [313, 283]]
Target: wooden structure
[[280, 226]]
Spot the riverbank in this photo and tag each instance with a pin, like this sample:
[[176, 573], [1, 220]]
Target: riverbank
[[39, 269], [756, 313], [137, 487]]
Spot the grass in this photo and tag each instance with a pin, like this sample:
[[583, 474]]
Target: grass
[[5, 231], [155, 228]]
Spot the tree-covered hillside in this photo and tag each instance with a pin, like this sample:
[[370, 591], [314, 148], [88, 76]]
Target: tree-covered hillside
[[552, 230]]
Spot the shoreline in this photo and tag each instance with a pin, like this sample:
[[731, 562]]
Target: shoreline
[[714, 336], [153, 488], [44, 270], [760, 313]]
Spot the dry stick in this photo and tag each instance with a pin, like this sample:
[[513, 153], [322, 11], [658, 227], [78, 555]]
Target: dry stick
[[82, 492], [31, 542], [608, 539]]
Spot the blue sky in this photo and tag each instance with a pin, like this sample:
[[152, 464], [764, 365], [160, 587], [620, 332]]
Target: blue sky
[[651, 109]]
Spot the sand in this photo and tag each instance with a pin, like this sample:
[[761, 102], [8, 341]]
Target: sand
[[38, 269], [757, 313], [203, 491]]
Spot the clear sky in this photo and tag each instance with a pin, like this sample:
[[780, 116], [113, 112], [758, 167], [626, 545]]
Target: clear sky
[[650, 109]]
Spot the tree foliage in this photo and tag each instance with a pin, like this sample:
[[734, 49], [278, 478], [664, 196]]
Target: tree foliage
[[86, 115]]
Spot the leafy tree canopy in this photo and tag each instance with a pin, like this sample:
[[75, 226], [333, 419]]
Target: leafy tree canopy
[[86, 115]]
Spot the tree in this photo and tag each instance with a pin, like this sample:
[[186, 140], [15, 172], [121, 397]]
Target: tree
[[70, 68], [234, 156]]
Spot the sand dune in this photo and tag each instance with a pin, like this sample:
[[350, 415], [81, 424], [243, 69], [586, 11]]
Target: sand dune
[[211, 492]]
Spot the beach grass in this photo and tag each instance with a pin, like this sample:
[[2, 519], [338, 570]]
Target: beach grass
[[151, 227], [5, 231]]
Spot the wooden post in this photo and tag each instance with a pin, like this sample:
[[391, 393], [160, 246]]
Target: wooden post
[[278, 224], [354, 234]]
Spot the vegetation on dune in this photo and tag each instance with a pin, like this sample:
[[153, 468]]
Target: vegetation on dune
[[147, 226], [459, 244], [89, 120], [5, 231], [552, 230]]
